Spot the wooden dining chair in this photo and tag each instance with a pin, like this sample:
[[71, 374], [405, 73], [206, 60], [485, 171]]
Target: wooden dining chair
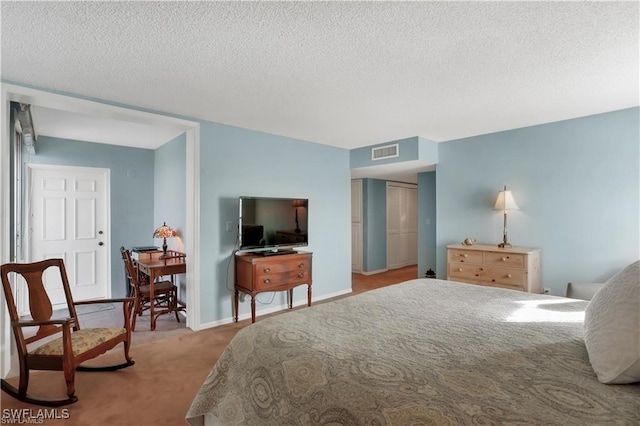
[[67, 352], [165, 293]]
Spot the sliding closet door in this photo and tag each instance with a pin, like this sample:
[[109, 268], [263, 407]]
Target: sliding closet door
[[356, 225], [402, 225]]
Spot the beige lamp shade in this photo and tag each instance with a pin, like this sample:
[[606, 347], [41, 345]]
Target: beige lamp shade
[[505, 201]]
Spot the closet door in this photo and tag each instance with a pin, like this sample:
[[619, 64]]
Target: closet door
[[356, 225], [394, 220], [402, 226], [412, 226]]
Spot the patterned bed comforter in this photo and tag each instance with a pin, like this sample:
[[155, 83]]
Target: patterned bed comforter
[[421, 352]]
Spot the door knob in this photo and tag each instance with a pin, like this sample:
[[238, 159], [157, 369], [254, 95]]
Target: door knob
[[100, 243]]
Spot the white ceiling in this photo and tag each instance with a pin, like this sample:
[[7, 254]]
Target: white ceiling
[[91, 128], [346, 74]]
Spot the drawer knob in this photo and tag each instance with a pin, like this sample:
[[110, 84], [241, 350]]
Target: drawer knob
[[301, 265], [508, 275], [267, 270], [493, 280], [459, 269], [266, 281], [464, 255], [301, 274], [504, 259]]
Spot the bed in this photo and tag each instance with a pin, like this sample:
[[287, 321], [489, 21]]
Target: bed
[[425, 351]]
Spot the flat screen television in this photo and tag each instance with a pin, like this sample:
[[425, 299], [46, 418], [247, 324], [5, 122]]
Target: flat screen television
[[272, 225]]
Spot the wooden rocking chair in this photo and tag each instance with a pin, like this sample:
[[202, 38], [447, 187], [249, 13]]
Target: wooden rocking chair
[[65, 353]]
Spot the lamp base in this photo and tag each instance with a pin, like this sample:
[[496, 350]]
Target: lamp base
[[164, 249], [505, 243]]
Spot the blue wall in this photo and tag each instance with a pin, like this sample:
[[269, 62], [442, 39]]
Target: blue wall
[[235, 162], [131, 190], [576, 183], [374, 218], [170, 197], [427, 223]]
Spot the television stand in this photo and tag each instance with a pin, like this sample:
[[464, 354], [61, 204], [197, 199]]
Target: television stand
[[276, 252], [256, 273]]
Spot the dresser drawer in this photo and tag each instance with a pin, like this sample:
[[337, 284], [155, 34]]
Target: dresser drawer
[[277, 272], [465, 256], [509, 277], [272, 267], [270, 279], [463, 272], [509, 260]]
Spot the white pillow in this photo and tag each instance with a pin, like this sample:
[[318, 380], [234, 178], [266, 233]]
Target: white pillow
[[612, 328]]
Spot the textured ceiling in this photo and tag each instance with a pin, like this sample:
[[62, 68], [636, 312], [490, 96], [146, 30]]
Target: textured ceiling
[[347, 74]]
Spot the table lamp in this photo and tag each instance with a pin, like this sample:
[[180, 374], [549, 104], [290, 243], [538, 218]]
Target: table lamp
[[164, 232], [505, 202]]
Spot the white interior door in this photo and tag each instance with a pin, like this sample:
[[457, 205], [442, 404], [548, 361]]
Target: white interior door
[[68, 218]]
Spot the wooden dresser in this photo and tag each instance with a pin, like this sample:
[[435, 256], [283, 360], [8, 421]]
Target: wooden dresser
[[256, 273], [516, 268]]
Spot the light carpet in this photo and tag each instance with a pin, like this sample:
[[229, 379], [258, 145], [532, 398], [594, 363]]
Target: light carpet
[[157, 390]]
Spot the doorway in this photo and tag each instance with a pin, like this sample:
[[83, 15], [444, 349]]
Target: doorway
[[13, 93]]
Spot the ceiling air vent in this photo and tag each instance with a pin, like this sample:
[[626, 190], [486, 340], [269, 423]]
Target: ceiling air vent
[[383, 152]]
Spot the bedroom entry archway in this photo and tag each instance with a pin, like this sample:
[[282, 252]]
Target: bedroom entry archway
[[14, 93]]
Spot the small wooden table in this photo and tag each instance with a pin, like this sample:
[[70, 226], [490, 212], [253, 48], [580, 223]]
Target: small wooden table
[[154, 266]]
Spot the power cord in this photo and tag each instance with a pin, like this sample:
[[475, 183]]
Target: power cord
[[236, 249]]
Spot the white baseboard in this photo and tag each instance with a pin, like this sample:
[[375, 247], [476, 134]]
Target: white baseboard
[[379, 271], [273, 309]]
